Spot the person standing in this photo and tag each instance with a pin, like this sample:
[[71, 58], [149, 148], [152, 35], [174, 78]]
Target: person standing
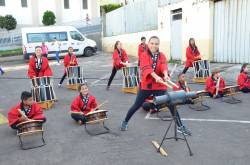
[[45, 50], [57, 46]]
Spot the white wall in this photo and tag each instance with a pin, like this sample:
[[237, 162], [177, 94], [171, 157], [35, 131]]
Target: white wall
[[27, 16], [13, 7]]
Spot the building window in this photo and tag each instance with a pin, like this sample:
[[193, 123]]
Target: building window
[[2, 2], [24, 3], [66, 4], [85, 4]]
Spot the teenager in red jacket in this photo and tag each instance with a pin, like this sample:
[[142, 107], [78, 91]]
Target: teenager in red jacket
[[244, 79], [192, 54], [120, 59], [154, 71], [141, 48], [31, 110], [38, 65], [69, 60], [211, 85], [82, 104]]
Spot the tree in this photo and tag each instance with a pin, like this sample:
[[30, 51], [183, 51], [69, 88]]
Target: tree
[[49, 18], [9, 22], [2, 24], [109, 7]]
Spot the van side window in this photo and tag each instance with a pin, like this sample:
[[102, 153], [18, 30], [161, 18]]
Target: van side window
[[36, 37], [76, 36], [61, 36]]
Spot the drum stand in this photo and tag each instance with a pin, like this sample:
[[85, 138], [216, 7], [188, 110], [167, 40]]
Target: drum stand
[[201, 107], [106, 129], [27, 148], [174, 119], [230, 100]]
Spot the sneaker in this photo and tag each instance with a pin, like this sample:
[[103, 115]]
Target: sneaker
[[59, 85], [188, 132], [183, 130], [80, 122], [124, 126]]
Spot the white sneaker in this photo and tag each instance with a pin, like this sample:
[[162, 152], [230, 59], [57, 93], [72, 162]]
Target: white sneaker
[[58, 64], [59, 85]]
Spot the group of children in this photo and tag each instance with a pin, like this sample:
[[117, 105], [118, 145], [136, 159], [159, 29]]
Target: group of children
[[154, 73]]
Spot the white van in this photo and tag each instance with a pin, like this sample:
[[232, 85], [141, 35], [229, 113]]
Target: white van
[[66, 35]]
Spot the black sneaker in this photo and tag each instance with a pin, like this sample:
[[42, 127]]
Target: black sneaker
[[107, 88]]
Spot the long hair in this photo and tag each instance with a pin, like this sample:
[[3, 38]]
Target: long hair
[[243, 67], [194, 48], [116, 43]]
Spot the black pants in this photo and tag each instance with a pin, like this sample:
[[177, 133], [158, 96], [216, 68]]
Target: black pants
[[114, 70], [14, 126], [78, 117], [63, 77], [245, 90], [141, 97], [185, 70], [147, 106], [45, 55]]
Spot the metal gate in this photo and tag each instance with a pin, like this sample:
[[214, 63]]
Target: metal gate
[[232, 31]]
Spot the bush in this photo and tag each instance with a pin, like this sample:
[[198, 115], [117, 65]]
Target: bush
[[9, 22], [109, 7], [2, 24], [49, 18]]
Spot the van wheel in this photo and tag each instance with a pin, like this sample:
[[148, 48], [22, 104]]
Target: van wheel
[[88, 52]]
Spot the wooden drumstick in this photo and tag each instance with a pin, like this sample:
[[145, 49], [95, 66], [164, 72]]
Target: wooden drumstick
[[217, 86], [172, 83], [100, 105], [187, 90], [166, 84], [172, 71], [23, 114]]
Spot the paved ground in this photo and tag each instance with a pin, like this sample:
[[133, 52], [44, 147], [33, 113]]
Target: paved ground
[[221, 136]]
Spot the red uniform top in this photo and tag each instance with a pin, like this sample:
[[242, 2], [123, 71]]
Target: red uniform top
[[68, 59], [180, 87], [211, 85], [146, 66], [78, 104], [243, 81], [118, 59], [141, 49], [191, 56], [39, 71], [35, 113]]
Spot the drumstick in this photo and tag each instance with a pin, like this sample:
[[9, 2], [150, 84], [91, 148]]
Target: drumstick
[[172, 71], [100, 105], [187, 90], [166, 84], [22, 113], [172, 83], [217, 86]]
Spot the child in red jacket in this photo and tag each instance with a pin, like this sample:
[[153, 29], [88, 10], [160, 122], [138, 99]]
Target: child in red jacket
[[120, 59], [82, 104], [244, 79], [215, 85], [39, 65], [69, 60], [181, 83], [192, 54], [30, 109], [142, 48]]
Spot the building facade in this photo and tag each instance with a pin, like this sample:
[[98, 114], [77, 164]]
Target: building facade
[[30, 12]]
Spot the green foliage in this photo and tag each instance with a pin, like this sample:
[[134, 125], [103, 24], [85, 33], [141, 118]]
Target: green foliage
[[9, 22], [110, 7], [2, 22], [49, 18]]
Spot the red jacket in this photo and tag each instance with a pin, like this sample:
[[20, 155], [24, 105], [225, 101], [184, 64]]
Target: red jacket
[[211, 85], [147, 81], [36, 113], [191, 57], [141, 49], [45, 69], [67, 60], [243, 81], [117, 60], [179, 87], [78, 104]]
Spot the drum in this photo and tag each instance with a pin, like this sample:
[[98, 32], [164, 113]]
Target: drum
[[75, 75], [43, 93], [96, 116], [38, 81], [201, 69], [29, 127], [131, 76]]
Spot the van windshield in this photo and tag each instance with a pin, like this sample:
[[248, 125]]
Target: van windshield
[[76, 36]]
